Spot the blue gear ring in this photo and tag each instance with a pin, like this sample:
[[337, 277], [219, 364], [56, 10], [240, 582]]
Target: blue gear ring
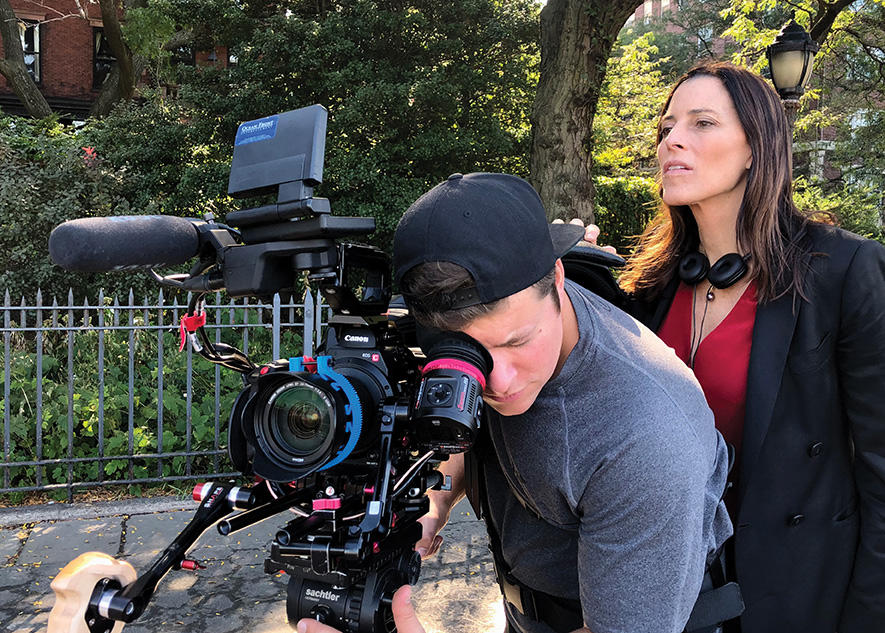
[[338, 382]]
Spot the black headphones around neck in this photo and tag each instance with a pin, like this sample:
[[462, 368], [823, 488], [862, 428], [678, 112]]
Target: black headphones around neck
[[727, 271]]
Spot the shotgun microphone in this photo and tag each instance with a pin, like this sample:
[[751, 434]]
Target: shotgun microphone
[[117, 243]]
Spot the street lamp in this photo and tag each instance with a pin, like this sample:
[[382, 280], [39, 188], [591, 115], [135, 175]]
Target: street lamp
[[790, 58]]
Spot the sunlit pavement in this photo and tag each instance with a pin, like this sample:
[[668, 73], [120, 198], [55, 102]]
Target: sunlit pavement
[[456, 594]]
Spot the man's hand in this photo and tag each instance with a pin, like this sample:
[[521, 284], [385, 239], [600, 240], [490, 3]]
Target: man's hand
[[403, 615], [430, 537], [441, 504]]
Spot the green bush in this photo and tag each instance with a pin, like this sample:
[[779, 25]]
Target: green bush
[[47, 178], [856, 208], [165, 163], [624, 206]]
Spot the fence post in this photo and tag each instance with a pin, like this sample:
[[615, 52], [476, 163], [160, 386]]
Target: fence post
[[101, 334], [131, 368], [38, 324], [71, 325], [160, 302], [308, 323], [275, 332], [6, 380], [318, 317]]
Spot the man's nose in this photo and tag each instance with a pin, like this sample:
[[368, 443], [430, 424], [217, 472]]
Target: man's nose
[[501, 378]]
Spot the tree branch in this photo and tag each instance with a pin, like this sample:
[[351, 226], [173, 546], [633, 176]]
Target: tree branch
[[827, 13]]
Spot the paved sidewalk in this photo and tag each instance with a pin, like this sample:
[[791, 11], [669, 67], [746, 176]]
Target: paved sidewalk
[[456, 594]]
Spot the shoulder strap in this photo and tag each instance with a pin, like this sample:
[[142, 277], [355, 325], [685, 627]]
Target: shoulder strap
[[560, 614], [590, 267]]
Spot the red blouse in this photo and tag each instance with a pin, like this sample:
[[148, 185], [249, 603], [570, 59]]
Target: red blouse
[[722, 359]]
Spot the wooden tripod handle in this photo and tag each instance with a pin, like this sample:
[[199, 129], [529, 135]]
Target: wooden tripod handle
[[73, 588]]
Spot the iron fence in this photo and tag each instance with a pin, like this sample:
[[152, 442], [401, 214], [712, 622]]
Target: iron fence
[[99, 393]]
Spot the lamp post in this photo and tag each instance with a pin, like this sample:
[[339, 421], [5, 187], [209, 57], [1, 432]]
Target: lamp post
[[790, 59]]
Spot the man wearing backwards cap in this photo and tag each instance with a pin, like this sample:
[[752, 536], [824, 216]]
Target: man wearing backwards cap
[[599, 471]]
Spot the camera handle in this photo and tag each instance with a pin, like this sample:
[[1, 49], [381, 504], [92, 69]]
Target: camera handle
[[118, 595], [378, 512]]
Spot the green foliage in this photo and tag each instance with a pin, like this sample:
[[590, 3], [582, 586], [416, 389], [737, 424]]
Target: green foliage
[[165, 163], [48, 177], [626, 122], [147, 29], [684, 36], [624, 206], [855, 207], [179, 432]]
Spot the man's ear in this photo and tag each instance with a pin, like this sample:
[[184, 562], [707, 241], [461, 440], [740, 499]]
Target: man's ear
[[559, 279]]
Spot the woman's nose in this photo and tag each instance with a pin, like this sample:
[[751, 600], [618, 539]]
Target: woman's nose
[[673, 137]]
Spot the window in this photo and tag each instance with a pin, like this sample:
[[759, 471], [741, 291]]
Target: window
[[705, 38], [647, 9], [30, 36], [102, 58], [665, 4]]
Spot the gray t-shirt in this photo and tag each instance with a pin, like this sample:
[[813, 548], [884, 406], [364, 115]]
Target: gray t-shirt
[[620, 456]]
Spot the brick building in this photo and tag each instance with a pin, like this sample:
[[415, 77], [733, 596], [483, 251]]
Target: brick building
[[65, 52]]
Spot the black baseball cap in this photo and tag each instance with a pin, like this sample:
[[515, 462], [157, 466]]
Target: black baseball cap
[[492, 225]]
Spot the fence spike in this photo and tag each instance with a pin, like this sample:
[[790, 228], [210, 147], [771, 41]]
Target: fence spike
[[39, 298]]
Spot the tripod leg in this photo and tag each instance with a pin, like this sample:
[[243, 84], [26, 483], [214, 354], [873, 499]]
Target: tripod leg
[[74, 585]]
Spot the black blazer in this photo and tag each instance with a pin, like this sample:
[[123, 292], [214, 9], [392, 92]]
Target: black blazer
[[810, 532]]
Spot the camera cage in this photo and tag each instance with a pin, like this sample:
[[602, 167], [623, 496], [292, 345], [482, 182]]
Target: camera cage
[[351, 542]]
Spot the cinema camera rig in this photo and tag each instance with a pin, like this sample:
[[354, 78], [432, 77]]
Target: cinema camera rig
[[348, 441]]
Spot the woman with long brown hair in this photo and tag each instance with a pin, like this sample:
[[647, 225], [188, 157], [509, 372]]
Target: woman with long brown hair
[[782, 320]]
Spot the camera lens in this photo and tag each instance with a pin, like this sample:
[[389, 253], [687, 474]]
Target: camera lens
[[301, 418], [298, 424]]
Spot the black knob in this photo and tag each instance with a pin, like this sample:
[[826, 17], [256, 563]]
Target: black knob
[[795, 520], [815, 449]]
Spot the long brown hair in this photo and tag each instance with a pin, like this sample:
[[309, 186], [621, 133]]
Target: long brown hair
[[770, 229]]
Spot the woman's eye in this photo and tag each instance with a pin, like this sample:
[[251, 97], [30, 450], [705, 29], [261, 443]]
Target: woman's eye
[[665, 131], [703, 123]]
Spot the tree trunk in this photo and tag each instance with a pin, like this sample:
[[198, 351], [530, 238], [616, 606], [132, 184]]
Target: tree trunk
[[112, 90], [12, 66], [577, 37], [121, 83]]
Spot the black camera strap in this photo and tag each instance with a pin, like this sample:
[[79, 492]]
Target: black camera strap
[[560, 614]]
